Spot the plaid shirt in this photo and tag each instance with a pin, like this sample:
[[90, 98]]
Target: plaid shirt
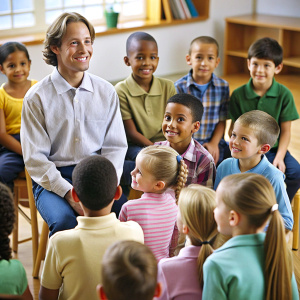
[[200, 163], [215, 102]]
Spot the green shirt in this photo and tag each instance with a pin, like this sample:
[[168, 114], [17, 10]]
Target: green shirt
[[145, 109], [278, 102]]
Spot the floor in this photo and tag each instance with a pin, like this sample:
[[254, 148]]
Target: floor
[[292, 82]]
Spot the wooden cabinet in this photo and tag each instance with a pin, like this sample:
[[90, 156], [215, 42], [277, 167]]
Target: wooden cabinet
[[242, 31]]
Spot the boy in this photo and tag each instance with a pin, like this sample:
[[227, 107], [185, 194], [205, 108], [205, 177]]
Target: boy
[[212, 91], [264, 93], [143, 97], [182, 118], [253, 135], [74, 256], [67, 116], [129, 271]]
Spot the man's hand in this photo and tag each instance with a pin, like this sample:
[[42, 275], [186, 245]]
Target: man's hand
[[75, 205], [279, 163], [213, 149]]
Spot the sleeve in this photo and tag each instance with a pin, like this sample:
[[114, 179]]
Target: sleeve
[[123, 213], [288, 109], [162, 280], [124, 104], [51, 278], [214, 287], [206, 172], [234, 107], [36, 147], [224, 107], [114, 146], [23, 281]]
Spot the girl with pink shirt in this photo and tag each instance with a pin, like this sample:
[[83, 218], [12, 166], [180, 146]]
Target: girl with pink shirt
[[158, 168]]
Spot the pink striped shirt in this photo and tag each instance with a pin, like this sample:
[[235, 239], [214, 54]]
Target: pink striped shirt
[[156, 214]]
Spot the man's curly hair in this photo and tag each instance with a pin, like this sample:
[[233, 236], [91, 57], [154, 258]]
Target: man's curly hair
[[7, 220]]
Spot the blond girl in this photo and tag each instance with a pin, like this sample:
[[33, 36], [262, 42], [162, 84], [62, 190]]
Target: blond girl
[[252, 264], [158, 168]]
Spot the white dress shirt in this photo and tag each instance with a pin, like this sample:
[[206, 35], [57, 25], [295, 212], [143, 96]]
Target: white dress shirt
[[61, 125]]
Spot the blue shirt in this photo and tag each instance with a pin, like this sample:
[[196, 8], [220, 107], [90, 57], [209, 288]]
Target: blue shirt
[[215, 102]]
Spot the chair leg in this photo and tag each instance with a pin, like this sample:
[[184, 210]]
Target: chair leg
[[296, 221], [15, 233], [41, 250]]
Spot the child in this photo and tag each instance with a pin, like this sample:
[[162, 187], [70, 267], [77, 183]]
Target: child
[[129, 271], [13, 280], [212, 91], [74, 256], [195, 219], [157, 169], [253, 134], [252, 264], [15, 64], [264, 93], [182, 118], [143, 98]]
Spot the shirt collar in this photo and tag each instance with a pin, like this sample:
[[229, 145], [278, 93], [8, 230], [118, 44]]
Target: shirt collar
[[273, 91], [135, 90], [190, 80], [93, 223], [189, 153]]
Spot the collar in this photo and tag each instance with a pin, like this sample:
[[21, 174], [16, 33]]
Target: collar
[[189, 153], [155, 196], [189, 251], [190, 80], [135, 90], [259, 168], [62, 86], [92, 223], [272, 92]]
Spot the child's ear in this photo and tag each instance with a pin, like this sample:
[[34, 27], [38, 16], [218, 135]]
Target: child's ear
[[264, 148], [74, 195], [160, 185], [1, 69], [158, 290], [218, 61], [278, 68], [118, 193], [248, 64], [185, 229], [188, 59], [101, 293], [196, 126], [234, 218], [126, 61]]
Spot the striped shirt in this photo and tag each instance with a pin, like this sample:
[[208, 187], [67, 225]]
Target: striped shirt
[[200, 163], [156, 214], [215, 102]]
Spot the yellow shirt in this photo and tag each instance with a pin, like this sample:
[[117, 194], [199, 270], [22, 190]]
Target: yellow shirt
[[12, 108]]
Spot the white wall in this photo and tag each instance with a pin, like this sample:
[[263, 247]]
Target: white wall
[[173, 43], [290, 8]]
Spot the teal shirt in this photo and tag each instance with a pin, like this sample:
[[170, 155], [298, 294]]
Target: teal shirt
[[278, 102], [236, 270]]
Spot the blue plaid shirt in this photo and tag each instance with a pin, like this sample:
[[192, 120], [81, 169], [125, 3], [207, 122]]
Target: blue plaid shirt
[[215, 102]]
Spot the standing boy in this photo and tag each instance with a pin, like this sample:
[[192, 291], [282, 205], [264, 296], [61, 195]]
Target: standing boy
[[253, 135], [182, 118], [67, 116], [264, 93], [213, 92], [143, 98], [72, 267]]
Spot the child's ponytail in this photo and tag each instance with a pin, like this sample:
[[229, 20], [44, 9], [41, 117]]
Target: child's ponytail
[[196, 205], [182, 176]]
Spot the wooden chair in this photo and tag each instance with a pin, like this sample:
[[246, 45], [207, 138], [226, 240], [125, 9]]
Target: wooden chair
[[296, 212]]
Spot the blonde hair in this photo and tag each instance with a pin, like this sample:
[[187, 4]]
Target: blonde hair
[[253, 196], [162, 163], [196, 205]]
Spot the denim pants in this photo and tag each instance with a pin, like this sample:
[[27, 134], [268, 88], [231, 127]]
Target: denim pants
[[292, 172]]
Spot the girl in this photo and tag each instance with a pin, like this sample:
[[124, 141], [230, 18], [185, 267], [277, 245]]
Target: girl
[[252, 264], [157, 169], [195, 219], [13, 280], [15, 64]]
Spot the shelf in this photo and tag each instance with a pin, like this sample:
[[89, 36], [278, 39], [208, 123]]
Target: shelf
[[292, 62], [238, 53]]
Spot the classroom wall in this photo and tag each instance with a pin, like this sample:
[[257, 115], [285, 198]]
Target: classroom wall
[[290, 8]]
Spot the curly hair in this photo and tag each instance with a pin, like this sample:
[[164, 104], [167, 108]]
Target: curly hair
[[7, 220]]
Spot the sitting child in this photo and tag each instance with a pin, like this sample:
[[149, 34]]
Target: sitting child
[[73, 261], [253, 134], [182, 118], [13, 280], [211, 91], [129, 271], [157, 169], [143, 98], [196, 220], [252, 264]]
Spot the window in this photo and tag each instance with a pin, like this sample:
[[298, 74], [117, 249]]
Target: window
[[32, 16]]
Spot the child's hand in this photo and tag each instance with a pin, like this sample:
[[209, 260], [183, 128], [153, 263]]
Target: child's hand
[[279, 163], [213, 149]]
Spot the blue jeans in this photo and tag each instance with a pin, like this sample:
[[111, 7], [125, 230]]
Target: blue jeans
[[11, 164], [292, 172]]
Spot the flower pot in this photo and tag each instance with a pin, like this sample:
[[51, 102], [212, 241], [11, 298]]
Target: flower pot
[[111, 19]]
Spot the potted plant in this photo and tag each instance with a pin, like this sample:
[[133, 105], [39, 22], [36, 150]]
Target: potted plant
[[111, 16]]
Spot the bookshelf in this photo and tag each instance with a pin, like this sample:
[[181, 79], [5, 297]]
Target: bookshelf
[[162, 11], [242, 31]]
